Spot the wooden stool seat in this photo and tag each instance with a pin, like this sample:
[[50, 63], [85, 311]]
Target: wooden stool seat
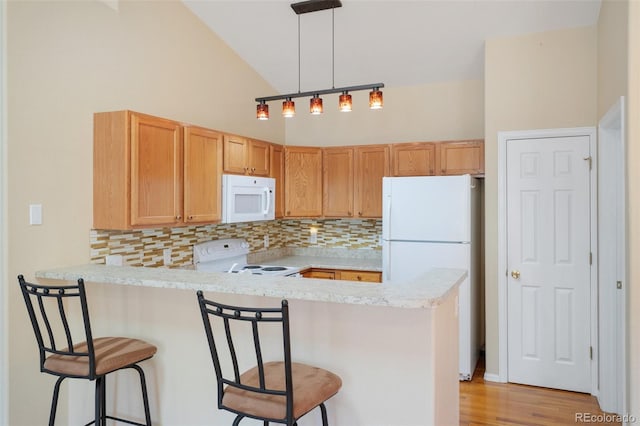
[[111, 354], [311, 387]]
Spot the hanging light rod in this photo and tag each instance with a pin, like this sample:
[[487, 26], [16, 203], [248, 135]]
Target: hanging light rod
[[321, 92]]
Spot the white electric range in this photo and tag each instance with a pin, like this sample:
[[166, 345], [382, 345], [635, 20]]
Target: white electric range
[[230, 255]]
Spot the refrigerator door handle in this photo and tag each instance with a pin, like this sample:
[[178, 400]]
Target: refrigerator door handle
[[386, 224], [386, 263]]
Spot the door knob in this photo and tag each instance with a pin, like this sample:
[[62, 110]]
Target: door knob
[[515, 274]]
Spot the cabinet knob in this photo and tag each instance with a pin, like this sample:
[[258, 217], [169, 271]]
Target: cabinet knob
[[253, 169], [178, 217], [190, 218], [359, 278], [359, 213]]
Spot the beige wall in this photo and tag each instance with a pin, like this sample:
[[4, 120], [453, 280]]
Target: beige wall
[[67, 60], [612, 53], [537, 81], [633, 185], [442, 111]]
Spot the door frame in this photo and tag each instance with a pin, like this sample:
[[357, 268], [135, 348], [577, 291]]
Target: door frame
[[503, 139], [613, 358], [4, 311]]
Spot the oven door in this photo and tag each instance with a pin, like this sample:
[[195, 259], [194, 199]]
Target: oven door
[[247, 198]]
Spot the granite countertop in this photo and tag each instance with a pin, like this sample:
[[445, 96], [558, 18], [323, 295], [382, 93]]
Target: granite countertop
[[426, 291]]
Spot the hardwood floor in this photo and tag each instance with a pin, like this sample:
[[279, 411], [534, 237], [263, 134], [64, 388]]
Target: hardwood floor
[[488, 403]]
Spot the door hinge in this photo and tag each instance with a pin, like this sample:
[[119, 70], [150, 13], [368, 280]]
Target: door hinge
[[590, 258], [590, 352], [590, 160]]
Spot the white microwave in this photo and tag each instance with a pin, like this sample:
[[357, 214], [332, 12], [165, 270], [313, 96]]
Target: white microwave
[[247, 198]]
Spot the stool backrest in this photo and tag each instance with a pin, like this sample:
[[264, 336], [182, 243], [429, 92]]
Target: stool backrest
[[229, 375], [48, 308]]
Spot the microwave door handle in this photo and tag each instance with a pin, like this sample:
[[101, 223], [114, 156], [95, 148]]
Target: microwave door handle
[[267, 200]]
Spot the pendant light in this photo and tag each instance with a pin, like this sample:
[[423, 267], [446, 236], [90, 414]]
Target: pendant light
[[262, 111], [315, 103], [288, 108], [375, 98], [344, 103]]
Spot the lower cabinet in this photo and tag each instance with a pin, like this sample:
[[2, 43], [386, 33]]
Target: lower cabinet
[[343, 274]]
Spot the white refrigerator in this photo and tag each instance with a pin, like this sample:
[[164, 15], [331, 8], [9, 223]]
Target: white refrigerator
[[435, 221]]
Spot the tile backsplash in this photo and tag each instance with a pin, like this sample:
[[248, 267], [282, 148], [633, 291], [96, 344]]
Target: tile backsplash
[[145, 247]]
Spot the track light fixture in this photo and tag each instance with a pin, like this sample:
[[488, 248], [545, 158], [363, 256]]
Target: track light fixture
[[315, 103]]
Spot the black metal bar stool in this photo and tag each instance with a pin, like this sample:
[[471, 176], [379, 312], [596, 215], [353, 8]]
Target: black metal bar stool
[[90, 359], [276, 391]]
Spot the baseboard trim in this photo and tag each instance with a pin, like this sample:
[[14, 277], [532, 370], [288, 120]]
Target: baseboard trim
[[492, 378]]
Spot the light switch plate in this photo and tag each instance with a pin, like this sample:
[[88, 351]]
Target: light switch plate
[[35, 214]]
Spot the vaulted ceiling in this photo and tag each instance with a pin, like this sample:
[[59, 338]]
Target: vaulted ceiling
[[397, 42]]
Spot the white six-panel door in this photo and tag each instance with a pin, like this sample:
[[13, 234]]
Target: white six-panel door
[[548, 261]]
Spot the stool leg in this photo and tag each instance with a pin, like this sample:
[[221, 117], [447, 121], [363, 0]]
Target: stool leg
[[236, 422], [323, 410], [54, 401], [103, 402], [98, 400], [145, 397]]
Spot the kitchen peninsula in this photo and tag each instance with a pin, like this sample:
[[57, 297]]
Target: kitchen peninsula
[[394, 346]]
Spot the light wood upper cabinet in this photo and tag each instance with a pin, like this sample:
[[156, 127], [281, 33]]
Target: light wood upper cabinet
[[137, 177], [303, 181], [461, 157], [146, 175], [413, 159], [202, 175], [276, 158], [337, 183], [156, 171], [258, 157], [352, 180], [245, 156], [371, 165]]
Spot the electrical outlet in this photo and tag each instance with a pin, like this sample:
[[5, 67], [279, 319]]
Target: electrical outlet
[[266, 241], [313, 237], [166, 254], [114, 259]]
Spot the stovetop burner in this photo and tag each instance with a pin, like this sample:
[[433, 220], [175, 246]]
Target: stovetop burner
[[252, 267], [274, 268]]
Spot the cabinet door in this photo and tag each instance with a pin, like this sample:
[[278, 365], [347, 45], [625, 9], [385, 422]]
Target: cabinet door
[[464, 157], [202, 175], [303, 181], [371, 165], [277, 172], [337, 182], [258, 158], [156, 171], [413, 159], [235, 151]]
